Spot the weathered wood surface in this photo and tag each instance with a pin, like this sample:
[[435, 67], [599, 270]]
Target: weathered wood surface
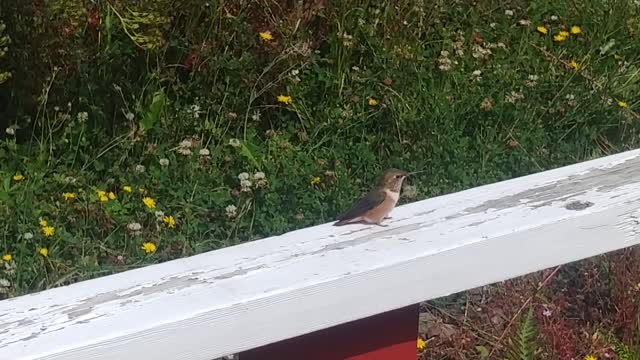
[[253, 294]]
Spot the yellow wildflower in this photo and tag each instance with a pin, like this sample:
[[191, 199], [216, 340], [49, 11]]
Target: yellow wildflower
[[127, 188], [48, 231], [315, 180], [561, 36], [149, 202], [638, 286], [284, 99], [7, 257], [266, 36], [623, 104], [149, 247], [69, 195], [111, 195], [18, 177], [575, 29], [542, 30], [574, 65], [44, 252], [373, 102], [43, 222], [102, 196], [170, 221], [590, 357], [421, 344]]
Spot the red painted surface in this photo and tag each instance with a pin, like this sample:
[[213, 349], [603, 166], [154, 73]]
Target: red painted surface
[[388, 336]]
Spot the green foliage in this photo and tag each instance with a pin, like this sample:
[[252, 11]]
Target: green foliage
[[622, 350], [181, 99], [524, 344], [5, 40]]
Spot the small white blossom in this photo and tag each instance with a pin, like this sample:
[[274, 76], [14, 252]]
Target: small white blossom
[[27, 236], [83, 116], [11, 130], [245, 185], [259, 175], [204, 152], [508, 12], [231, 211], [243, 176], [134, 228], [129, 116], [234, 142], [554, 18], [184, 151], [185, 144], [164, 162], [524, 22], [476, 73], [140, 168], [295, 72]]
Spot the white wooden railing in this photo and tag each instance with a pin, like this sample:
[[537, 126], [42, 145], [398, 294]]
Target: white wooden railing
[[258, 293]]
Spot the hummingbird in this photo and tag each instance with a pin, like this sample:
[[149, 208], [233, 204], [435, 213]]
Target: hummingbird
[[378, 203]]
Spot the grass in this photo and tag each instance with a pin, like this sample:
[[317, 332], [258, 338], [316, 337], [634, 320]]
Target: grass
[[186, 104]]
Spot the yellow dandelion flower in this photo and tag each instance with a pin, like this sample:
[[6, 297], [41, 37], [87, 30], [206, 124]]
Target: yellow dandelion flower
[[127, 188], [590, 357], [266, 36], [284, 99], [170, 221], [7, 257], [111, 195], [638, 286], [149, 202], [315, 180], [421, 344], [575, 29], [623, 104], [48, 231], [43, 222], [44, 252], [18, 177], [372, 102], [101, 193], [69, 195], [104, 198], [574, 65], [149, 247], [542, 30], [561, 36]]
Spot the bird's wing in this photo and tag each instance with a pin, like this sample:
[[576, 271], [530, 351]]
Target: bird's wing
[[373, 199]]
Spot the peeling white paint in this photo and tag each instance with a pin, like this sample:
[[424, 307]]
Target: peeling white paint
[[252, 294]]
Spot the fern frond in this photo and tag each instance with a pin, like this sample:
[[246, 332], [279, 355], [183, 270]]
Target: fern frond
[[523, 345]]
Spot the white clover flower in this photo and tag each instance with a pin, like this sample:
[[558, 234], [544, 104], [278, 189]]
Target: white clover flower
[[245, 185], [243, 176], [234, 142], [134, 228], [140, 168], [508, 12], [204, 152], [27, 236], [164, 162], [231, 211], [83, 116]]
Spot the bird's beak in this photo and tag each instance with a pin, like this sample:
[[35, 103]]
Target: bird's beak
[[416, 172]]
